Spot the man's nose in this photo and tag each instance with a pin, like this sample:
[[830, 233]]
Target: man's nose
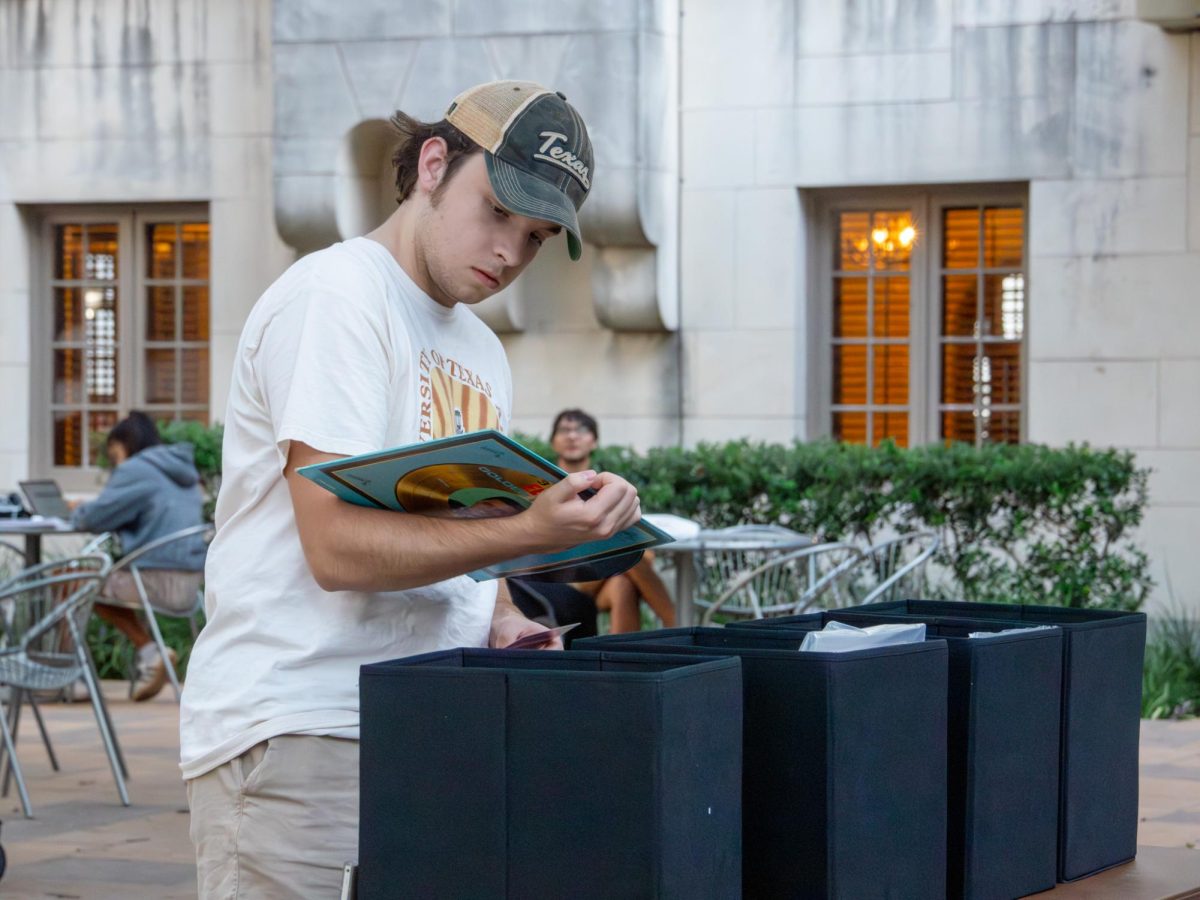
[[509, 247]]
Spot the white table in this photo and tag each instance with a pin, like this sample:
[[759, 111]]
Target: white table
[[33, 529]]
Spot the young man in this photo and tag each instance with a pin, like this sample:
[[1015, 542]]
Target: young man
[[363, 346], [574, 436]]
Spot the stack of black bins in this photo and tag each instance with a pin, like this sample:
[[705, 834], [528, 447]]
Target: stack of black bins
[[1003, 753], [844, 787], [1100, 716], [520, 773]]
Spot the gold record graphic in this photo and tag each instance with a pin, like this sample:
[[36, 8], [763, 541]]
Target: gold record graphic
[[468, 490]]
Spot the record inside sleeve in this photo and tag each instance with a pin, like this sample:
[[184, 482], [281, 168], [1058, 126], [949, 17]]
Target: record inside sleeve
[[592, 570]]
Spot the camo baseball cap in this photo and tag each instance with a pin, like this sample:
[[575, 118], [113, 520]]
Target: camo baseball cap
[[539, 157]]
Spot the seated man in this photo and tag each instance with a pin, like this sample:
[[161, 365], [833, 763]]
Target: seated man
[[573, 437]]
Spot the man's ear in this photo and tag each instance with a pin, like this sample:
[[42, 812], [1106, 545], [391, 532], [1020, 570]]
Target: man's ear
[[431, 164]]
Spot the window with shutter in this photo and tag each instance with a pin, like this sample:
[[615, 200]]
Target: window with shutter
[[871, 335], [924, 324], [125, 326], [982, 279]]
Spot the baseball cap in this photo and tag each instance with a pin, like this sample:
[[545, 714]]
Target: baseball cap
[[539, 157]]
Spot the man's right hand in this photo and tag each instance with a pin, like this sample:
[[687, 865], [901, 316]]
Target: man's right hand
[[560, 518]]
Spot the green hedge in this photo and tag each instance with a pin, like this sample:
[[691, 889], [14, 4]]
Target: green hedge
[[206, 442], [1019, 524], [1171, 676]]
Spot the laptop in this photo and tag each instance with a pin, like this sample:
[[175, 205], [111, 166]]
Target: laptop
[[45, 498]]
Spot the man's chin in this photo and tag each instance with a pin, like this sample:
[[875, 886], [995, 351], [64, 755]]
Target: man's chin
[[476, 293]]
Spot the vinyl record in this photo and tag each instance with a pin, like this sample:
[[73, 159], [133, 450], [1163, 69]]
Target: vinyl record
[[469, 491], [592, 570]]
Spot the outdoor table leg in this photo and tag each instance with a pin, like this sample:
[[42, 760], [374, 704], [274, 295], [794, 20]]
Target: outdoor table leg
[[685, 587], [33, 549]]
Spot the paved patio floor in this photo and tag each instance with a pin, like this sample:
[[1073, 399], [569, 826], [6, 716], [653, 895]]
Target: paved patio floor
[[84, 844]]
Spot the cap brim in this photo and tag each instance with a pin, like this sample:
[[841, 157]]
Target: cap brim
[[528, 195]]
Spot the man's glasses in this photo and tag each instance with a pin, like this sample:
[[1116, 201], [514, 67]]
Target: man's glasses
[[567, 430]]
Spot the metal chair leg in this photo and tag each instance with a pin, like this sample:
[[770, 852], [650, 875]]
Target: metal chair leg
[[163, 650], [13, 764], [14, 726], [6, 713], [107, 733], [37, 715], [94, 691]]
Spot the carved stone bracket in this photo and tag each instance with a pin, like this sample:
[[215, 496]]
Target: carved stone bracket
[[335, 91]]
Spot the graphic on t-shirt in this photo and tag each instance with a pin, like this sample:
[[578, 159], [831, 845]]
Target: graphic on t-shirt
[[454, 400]]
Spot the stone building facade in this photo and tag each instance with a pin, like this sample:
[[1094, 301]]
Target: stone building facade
[[868, 218]]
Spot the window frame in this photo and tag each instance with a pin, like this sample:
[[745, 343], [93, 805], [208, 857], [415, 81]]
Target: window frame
[[927, 203], [131, 320]]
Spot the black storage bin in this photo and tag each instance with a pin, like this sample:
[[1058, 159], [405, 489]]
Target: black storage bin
[[1100, 716], [520, 773], [1002, 753], [844, 788]]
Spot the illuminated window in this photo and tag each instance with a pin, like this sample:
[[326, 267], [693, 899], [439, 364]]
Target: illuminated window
[[871, 335], [127, 327], [982, 282], [175, 351], [85, 341], [923, 332]]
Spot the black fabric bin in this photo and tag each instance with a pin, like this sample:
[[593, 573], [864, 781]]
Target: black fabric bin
[[1002, 753], [519, 773], [844, 788], [1103, 652]]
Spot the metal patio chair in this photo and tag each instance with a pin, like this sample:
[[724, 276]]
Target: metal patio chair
[[891, 569], [758, 580], [147, 604], [44, 613], [12, 560]]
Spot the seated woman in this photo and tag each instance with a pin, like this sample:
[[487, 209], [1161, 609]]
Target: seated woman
[[154, 490], [573, 437]]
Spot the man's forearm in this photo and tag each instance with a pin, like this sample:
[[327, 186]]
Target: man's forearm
[[352, 548], [360, 549]]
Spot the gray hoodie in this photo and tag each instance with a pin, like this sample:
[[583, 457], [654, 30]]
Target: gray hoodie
[[151, 494]]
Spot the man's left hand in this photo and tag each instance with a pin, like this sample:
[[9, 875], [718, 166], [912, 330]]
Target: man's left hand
[[509, 624], [509, 628]]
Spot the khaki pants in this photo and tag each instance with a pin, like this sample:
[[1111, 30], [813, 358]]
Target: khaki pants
[[278, 821]]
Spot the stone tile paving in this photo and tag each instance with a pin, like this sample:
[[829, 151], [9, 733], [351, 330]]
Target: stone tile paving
[[83, 845]]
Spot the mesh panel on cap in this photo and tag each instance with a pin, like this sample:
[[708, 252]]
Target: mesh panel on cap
[[482, 113]]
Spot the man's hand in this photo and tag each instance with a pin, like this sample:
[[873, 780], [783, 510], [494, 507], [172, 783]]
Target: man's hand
[[510, 624], [562, 519]]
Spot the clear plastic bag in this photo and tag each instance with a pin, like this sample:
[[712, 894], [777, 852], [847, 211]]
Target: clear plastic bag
[[1021, 630], [838, 637]]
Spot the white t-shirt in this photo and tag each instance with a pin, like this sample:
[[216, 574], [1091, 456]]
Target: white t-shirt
[[345, 353]]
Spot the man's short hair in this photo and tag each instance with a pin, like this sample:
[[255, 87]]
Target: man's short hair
[[412, 135], [575, 415], [135, 433]]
